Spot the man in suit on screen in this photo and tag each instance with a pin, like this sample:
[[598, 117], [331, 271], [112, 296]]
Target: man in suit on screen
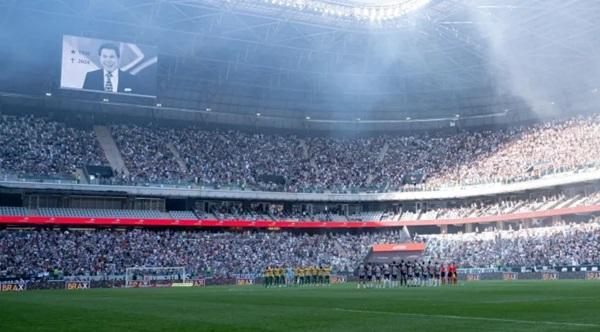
[[110, 78]]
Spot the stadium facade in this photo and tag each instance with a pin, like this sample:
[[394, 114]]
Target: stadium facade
[[361, 101]]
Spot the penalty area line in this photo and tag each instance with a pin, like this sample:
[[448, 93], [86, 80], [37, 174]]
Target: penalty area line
[[486, 319]]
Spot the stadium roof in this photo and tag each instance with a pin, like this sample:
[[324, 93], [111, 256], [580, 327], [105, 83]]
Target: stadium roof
[[446, 57], [360, 10]]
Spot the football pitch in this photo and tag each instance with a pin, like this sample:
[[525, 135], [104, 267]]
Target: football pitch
[[472, 306]]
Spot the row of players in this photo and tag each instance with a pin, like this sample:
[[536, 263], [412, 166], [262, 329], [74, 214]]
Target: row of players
[[409, 274], [310, 275]]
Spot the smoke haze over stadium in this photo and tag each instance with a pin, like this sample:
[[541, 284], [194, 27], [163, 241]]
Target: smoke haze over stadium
[[300, 165], [447, 58]]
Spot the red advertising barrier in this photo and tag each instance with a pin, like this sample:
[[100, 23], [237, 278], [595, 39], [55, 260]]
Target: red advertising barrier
[[79, 221], [86, 221]]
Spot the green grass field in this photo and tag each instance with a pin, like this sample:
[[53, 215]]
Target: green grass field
[[476, 306]]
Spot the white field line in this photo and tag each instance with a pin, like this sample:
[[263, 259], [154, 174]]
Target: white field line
[[486, 319]]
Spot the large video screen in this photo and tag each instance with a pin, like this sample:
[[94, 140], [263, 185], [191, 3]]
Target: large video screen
[[108, 66]]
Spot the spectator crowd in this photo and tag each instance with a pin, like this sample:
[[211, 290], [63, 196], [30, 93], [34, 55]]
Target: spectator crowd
[[37, 252], [35, 146], [381, 163], [575, 244], [228, 158]]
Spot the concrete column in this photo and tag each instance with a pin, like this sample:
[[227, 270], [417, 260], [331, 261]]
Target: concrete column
[[468, 228], [500, 225], [556, 219], [528, 223], [443, 229]]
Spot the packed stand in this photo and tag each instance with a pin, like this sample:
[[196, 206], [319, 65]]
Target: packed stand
[[39, 147], [382, 163], [236, 159], [524, 151], [146, 155], [35, 252], [533, 248]]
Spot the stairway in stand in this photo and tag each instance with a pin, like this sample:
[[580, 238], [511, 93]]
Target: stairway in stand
[[111, 151]]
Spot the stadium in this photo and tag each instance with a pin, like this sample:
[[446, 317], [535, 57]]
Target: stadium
[[301, 165]]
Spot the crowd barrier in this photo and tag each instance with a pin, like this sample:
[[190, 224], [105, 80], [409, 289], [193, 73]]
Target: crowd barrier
[[27, 285], [544, 275], [83, 283]]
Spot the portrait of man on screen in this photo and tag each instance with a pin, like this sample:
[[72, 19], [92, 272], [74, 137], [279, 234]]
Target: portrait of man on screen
[[110, 78]]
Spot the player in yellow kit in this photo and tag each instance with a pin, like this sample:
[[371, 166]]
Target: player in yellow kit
[[327, 274], [296, 275], [268, 276], [321, 274], [313, 275], [278, 276]]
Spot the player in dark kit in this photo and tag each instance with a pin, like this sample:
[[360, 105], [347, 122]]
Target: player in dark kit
[[411, 273], [369, 275], [377, 276], [387, 272], [403, 273], [362, 273], [417, 273], [394, 274], [436, 274], [429, 274], [424, 274]]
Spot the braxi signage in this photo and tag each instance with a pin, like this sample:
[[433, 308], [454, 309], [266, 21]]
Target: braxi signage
[[12, 287], [71, 285]]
